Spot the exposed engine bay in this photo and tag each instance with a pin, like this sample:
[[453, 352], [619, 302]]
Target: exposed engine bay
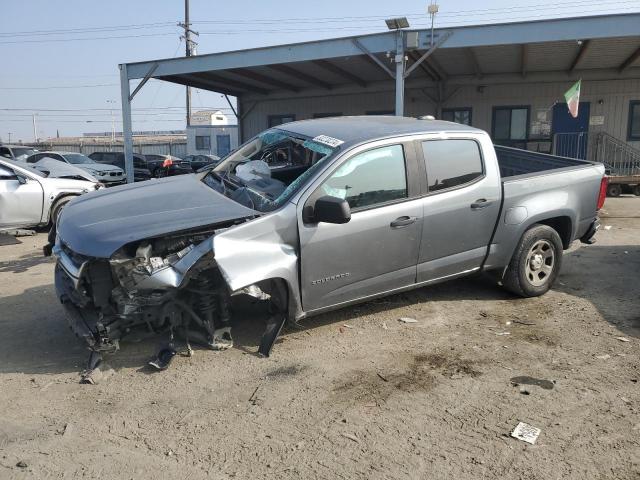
[[165, 284]]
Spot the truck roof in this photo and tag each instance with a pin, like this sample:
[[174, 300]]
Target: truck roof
[[358, 129]]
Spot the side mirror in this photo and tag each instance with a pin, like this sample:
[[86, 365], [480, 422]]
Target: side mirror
[[331, 210], [21, 180]]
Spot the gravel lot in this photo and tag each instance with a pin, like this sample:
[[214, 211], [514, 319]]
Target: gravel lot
[[357, 394]]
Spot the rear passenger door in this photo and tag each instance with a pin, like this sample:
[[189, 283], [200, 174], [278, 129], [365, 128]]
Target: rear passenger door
[[461, 207]]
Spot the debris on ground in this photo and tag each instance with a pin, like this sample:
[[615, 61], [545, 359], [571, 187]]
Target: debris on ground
[[21, 464], [623, 339], [19, 232], [520, 322], [483, 314], [526, 433], [97, 371], [347, 326], [164, 358], [253, 398], [502, 334], [607, 227], [606, 356], [526, 380], [384, 326], [351, 437], [407, 320], [382, 377]]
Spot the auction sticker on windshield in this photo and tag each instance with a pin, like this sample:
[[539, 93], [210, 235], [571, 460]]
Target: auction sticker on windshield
[[327, 140]]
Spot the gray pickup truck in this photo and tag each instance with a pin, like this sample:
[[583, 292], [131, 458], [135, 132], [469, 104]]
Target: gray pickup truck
[[317, 215]]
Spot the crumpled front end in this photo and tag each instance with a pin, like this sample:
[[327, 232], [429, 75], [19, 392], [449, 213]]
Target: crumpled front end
[[170, 283]]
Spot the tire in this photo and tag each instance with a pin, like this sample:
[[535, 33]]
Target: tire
[[636, 190], [614, 190], [535, 263], [57, 207]]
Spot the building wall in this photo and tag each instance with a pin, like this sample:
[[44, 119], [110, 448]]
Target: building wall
[[212, 132], [608, 98]]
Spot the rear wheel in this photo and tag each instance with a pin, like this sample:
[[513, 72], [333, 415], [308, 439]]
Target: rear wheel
[[614, 190], [535, 263], [636, 190]]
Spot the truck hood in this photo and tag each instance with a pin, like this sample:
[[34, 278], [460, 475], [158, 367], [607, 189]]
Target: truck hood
[[99, 223]]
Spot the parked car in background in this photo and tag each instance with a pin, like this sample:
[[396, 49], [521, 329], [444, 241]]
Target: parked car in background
[[30, 198], [140, 170], [107, 174], [16, 152], [167, 165], [199, 162]]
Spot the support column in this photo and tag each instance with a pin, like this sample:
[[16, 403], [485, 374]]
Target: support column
[[126, 123], [399, 60]]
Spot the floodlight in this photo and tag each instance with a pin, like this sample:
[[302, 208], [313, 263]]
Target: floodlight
[[397, 23]]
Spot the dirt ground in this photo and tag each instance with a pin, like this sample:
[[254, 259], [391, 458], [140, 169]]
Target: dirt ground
[[357, 394]]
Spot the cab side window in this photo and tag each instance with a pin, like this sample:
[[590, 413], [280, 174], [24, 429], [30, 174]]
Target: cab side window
[[451, 163], [370, 178], [4, 152], [7, 174]]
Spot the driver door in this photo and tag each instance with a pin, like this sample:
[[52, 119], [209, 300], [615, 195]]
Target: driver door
[[377, 250], [21, 200]]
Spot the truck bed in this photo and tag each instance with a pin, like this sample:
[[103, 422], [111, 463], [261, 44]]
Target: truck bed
[[514, 162]]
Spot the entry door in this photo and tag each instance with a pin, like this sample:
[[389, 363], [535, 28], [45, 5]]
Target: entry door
[[223, 145], [20, 204], [377, 250], [570, 135]]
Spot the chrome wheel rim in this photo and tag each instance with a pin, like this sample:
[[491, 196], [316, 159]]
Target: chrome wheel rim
[[540, 262]]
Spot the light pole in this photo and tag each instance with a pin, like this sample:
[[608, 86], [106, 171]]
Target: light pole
[[9, 133]]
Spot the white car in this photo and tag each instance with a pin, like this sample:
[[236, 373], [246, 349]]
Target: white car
[[28, 198], [108, 174]]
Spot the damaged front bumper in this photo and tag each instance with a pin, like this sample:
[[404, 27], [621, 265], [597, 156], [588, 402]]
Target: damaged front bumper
[[180, 291]]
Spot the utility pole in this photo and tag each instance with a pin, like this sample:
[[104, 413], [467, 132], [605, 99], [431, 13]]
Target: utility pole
[[432, 10], [113, 122], [9, 133], [35, 128], [188, 43]]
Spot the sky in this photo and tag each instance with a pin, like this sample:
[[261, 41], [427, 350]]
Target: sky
[[60, 57]]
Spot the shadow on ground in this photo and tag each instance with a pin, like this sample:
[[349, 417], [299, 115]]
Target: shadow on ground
[[609, 278], [36, 339]]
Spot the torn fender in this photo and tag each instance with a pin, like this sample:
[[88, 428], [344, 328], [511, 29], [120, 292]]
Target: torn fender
[[260, 250]]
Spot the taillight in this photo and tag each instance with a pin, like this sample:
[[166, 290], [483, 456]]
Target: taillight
[[167, 163], [602, 195]]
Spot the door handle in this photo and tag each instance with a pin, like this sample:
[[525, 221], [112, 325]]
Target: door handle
[[403, 221], [481, 203]]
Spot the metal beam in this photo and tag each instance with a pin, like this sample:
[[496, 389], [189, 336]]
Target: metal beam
[[372, 57], [580, 55], [327, 65], [433, 64], [292, 72], [427, 54], [627, 63], [213, 87], [554, 30], [126, 123], [144, 80], [524, 57], [473, 58], [423, 66], [233, 83], [231, 106], [258, 77]]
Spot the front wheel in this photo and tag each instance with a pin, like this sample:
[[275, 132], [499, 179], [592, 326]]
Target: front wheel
[[535, 263], [614, 190]]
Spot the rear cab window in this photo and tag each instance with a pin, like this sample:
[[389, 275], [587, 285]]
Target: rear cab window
[[451, 163]]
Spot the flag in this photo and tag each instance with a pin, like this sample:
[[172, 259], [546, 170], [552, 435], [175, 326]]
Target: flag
[[572, 96]]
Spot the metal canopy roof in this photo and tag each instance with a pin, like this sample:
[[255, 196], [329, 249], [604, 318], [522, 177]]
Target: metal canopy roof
[[606, 42]]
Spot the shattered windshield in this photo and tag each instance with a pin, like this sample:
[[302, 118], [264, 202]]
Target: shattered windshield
[[264, 172]]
